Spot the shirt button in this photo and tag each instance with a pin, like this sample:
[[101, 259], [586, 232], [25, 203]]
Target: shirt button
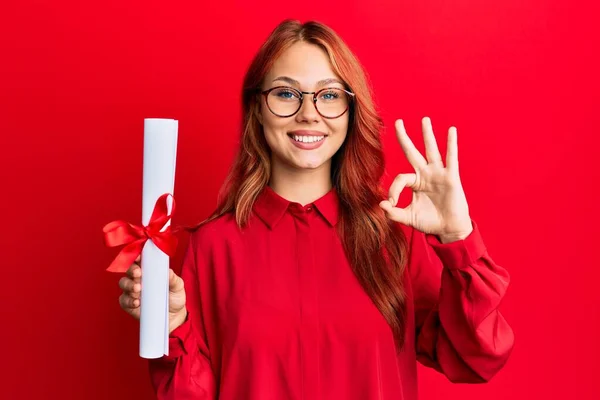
[[309, 208]]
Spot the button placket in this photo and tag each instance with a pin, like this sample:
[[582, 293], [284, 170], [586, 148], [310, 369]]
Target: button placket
[[308, 302]]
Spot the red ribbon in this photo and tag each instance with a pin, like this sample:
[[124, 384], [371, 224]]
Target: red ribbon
[[119, 233]]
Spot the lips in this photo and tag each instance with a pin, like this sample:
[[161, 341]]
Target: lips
[[305, 132], [307, 140]]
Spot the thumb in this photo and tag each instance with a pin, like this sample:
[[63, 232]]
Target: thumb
[[175, 282], [397, 214]]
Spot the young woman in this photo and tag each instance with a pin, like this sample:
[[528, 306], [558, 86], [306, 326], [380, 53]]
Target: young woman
[[308, 282]]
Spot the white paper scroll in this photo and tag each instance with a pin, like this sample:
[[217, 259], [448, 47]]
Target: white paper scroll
[[160, 153]]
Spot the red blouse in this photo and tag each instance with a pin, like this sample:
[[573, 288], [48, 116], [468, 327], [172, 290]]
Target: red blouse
[[276, 313]]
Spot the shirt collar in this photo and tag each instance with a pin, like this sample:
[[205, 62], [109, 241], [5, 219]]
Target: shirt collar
[[270, 206]]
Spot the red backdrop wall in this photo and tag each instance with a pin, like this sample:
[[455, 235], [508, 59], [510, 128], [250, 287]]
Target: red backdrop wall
[[518, 78]]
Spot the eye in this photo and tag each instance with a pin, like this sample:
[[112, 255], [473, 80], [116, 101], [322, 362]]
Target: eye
[[285, 94], [330, 95]]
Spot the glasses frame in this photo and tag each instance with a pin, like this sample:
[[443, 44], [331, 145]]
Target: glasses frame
[[301, 94]]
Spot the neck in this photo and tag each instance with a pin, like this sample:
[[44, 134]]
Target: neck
[[300, 185]]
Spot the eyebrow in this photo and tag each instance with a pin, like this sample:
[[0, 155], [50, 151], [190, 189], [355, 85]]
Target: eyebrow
[[322, 82]]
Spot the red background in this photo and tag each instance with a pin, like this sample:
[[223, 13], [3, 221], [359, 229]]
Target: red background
[[518, 78]]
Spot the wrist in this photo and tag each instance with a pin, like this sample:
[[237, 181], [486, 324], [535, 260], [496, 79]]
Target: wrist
[[456, 235], [176, 320], [451, 238]]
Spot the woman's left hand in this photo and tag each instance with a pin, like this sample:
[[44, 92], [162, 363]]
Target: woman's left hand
[[439, 205]]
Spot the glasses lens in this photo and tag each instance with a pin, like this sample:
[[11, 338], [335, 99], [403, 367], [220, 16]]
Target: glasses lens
[[283, 101], [332, 103]]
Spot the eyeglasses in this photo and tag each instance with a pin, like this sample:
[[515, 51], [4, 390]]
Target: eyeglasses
[[285, 101]]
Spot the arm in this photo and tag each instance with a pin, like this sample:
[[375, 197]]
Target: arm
[[186, 373], [457, 290]]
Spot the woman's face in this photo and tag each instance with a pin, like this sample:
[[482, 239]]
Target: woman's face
[[305, 140]]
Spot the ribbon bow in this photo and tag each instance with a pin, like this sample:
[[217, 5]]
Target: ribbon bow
[[119, 233]]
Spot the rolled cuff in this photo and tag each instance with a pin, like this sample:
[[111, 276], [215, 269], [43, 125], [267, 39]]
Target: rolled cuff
[[180, 340], [461, 253]]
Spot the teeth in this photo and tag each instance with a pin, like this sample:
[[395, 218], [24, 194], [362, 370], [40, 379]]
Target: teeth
[[308, 139]]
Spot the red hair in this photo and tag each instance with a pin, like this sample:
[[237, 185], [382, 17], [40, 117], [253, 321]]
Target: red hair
[[375, 246]]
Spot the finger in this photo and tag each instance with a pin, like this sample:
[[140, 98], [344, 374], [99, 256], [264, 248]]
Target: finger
[[136, 293], [452, 150], [399, 183], [175, 282], [431, 148], [397, 214], [412, 154], [134, 271], [127, 302], [126, 284], [136, 289]]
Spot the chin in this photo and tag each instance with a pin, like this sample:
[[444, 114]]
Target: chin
[[310, 165], [306, 164]]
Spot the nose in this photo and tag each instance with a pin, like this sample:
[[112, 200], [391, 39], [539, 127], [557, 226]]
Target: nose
[[308, 111]]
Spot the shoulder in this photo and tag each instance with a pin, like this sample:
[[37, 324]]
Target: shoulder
[[418, 249], [208, 234], [407, 234], [407, 231]]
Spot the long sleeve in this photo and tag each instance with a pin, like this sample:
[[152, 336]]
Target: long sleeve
[[186, 373], [457, 290]]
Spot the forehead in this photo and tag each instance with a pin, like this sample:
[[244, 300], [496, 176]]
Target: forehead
[[305, 62]]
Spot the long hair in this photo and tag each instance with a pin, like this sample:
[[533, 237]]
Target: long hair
[[374, 246]]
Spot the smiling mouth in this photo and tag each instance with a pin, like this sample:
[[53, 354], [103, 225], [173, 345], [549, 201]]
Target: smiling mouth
[[306, 139]]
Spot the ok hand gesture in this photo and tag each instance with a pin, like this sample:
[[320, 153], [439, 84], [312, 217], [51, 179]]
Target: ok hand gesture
[[439, 205]]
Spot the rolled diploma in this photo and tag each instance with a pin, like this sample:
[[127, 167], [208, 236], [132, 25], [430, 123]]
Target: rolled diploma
[[160, 153]]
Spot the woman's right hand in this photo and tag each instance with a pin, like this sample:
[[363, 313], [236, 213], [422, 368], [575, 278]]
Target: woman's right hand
[[132, 289]]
